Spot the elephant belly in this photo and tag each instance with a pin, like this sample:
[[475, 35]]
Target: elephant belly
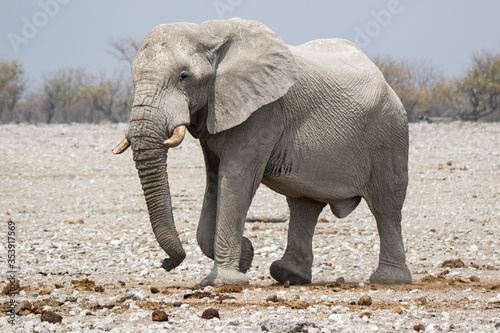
[[330, 190], [328, 167]]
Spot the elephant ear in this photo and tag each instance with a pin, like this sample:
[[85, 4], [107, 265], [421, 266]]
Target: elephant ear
[[254, 67]]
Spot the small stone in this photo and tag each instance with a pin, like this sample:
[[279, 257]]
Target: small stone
[[365, 314], [99, 289], [56, 293], [159, 315], [229, 289], [419, 327], [365, 300], [432, 279], [210, 313], [299, 305], [51, 317], [456, 263], [275, 299], [154, 290], [45, 292], [134, 294], [397, 309], [421, 301], [286, 284], [474, 278], [24, 305], [13, 288], [339, 309], [340, 280], [473, 249], [443, 273], [68, 285], [208, 289]]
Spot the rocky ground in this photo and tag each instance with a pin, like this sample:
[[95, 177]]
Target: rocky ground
[[86, 258]]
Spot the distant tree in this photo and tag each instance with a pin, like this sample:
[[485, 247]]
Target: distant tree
[[124, 48], [444, 100], [30, 108], [12, 84], [110, 97], [414, 83], [481, 85], [61, 90]]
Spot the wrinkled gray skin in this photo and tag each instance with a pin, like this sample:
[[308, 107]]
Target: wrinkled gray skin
[[316, 123]]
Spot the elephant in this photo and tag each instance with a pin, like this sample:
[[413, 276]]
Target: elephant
[[317, 123]]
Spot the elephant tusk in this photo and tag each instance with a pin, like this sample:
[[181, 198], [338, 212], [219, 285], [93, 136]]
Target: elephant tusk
[[121, 147], [176, 138]]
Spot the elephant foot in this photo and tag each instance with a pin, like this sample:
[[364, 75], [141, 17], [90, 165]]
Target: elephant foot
[[386, 274], [283, 271], [220, 277], [246, 255]]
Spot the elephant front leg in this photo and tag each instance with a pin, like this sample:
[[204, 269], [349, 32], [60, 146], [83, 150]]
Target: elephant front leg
[[295, 265], [234, 201], [205, 234]]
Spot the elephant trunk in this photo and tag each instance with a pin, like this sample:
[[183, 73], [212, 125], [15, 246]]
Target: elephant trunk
[[150, 158], [154, 180]]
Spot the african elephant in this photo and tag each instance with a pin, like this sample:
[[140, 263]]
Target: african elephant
[[317, 123]]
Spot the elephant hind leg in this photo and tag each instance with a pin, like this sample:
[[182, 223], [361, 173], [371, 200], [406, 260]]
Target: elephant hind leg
[[392, 267], [345, 207], [385, 197], [295, 265]]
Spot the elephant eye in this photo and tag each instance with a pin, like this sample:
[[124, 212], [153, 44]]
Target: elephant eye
[[184, 75]]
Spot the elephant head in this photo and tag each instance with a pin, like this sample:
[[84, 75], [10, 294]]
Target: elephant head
[[209, 77]]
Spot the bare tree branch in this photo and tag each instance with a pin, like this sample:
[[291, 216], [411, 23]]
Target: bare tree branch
[[124, 48]]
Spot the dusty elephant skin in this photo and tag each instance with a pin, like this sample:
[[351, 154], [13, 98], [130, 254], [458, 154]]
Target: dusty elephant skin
[[316, 123]]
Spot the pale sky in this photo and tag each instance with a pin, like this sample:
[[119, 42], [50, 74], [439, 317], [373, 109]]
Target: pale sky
[[46, 35]]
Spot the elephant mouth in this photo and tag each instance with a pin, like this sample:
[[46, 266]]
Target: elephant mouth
[[174, 141]]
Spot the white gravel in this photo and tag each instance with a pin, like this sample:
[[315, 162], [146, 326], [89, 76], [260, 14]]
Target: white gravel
[[80, 213]]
